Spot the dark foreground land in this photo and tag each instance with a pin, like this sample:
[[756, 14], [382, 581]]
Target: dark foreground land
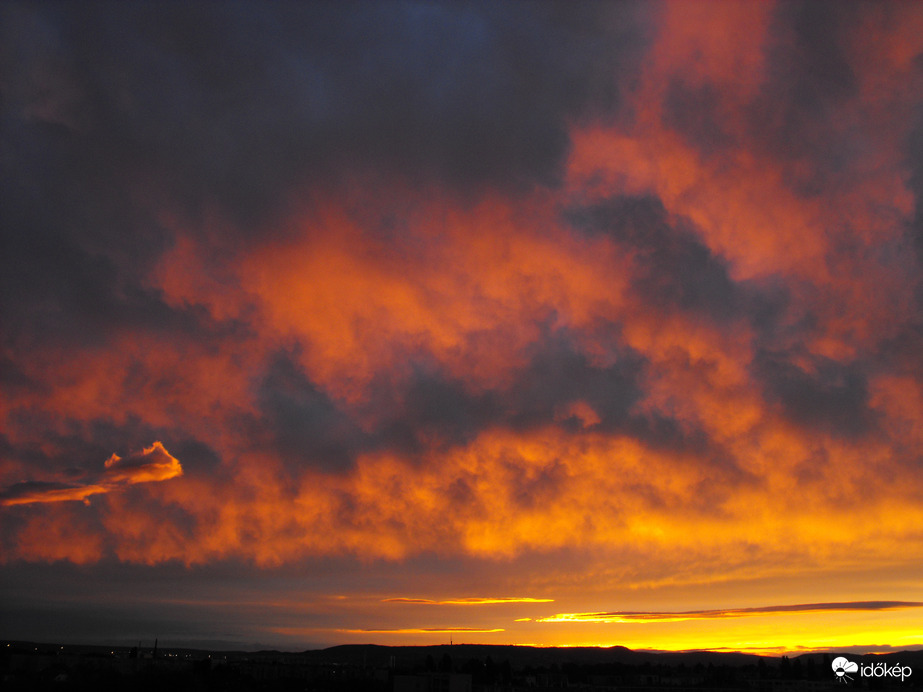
[[458, 668]]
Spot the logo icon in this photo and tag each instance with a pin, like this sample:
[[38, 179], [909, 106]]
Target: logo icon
[[841, 668]]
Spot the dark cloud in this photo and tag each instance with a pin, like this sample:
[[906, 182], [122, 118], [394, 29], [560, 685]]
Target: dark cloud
[[429, 409], [801, 114], [560, 385], [237, 102], [66, 443], [914, 163], [816, 60], [68, 296], [426, 409], [306, 427], [693, 111], [560, 373], [674, 269], [828, 396], [75, 277]]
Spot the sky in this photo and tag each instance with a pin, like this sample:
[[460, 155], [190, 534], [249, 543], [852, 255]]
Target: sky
[[583, 323]]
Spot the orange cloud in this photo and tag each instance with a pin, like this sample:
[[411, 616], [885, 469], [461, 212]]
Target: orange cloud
[[528, 493], [152, 464], [59, 533], [27, 493]]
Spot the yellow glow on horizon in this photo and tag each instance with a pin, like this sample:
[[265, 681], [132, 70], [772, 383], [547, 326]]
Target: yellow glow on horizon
[[784, 632], [772, 638], [649, 617]]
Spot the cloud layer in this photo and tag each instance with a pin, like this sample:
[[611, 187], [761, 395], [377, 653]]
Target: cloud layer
[[463, 281]]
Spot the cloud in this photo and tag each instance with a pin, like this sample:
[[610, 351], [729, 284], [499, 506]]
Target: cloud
[[468, 601], [469, 94], [629, 616], [303, 632], [152, 464], [28, 492], [672, 267], [305, 426], [426, 630], [822, 394]]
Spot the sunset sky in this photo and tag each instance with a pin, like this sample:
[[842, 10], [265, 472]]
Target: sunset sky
[[580, 323]]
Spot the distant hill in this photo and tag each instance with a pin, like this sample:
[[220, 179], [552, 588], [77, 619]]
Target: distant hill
[[522, 656]]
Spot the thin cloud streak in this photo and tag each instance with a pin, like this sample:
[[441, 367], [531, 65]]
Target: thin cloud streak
[[425, 630], [308, 632], [467, 601], [649, 617]]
